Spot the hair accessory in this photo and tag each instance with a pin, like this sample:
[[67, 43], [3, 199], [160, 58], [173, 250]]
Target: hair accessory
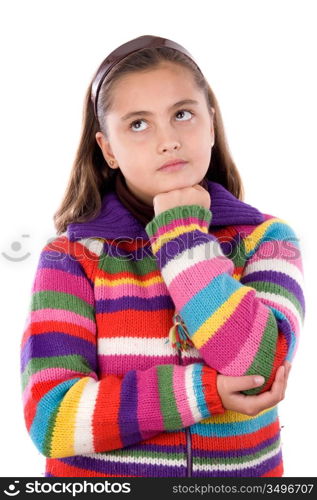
[[134, 45]]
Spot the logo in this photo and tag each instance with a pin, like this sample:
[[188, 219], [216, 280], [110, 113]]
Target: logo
[[12, 492]]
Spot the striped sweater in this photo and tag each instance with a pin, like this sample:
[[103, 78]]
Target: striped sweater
[[105, 392]]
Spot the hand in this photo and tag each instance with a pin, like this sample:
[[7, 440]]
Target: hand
[[229, 387], [194, 195]]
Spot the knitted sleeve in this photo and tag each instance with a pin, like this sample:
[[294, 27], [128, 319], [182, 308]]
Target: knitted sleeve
[[241, 327], [68, 409]]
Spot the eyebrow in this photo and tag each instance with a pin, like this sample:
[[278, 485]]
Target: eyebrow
[[148, 113]]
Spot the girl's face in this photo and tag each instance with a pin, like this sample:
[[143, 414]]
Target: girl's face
[[158, 130]]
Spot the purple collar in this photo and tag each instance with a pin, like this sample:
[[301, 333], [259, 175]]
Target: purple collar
[[115, 220]]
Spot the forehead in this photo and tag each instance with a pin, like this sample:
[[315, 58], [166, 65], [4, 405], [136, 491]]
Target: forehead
[[141, 89]]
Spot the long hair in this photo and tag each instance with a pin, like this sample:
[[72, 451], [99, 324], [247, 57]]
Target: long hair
[[91, 177]]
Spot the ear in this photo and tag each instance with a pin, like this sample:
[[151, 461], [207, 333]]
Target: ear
[[105, 147]]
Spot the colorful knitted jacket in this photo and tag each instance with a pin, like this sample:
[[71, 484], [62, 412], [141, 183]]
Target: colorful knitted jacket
[[106, 393]]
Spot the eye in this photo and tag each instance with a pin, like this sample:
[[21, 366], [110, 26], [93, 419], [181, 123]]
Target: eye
[[133, 123], [184, 111], [141, 120]]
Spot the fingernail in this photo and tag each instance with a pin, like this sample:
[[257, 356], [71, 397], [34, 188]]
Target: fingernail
[[259, 380]]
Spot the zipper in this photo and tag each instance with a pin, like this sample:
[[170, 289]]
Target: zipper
[[188, 434]]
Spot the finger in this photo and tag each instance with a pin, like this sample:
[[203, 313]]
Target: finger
[[275, 394], [244, 382], [287, 364], [278, 384], [199, 187], [288, 369], [285, 383], [269, 398]]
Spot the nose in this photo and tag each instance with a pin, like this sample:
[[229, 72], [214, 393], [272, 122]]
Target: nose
[[170, 147], [168, 139]]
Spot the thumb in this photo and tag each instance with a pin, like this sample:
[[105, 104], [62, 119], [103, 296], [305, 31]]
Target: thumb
[[246, 382]]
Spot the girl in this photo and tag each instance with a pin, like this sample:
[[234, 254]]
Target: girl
[[163, 295]]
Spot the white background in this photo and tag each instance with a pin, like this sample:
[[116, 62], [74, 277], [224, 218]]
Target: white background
[[259, 59]]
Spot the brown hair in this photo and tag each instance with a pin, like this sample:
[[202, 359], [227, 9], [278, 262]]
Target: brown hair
[[91, 176]]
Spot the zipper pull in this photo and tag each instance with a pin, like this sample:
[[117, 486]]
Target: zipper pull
[[178, 334]]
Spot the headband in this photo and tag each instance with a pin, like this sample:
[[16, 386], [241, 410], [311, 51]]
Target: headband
[[121, 52]]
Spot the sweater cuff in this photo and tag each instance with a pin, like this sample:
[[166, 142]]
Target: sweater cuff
[[175, 221], [213, 399]]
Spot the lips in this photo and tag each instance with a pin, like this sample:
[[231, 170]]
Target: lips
[[173, 168], [173, 163]]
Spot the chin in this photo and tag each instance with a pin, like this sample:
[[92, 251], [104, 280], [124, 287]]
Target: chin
[[183, 183]]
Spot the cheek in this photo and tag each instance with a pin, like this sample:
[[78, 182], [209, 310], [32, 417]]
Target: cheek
[[198, 138], [129, 157], [136, 172], [201, 154]]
